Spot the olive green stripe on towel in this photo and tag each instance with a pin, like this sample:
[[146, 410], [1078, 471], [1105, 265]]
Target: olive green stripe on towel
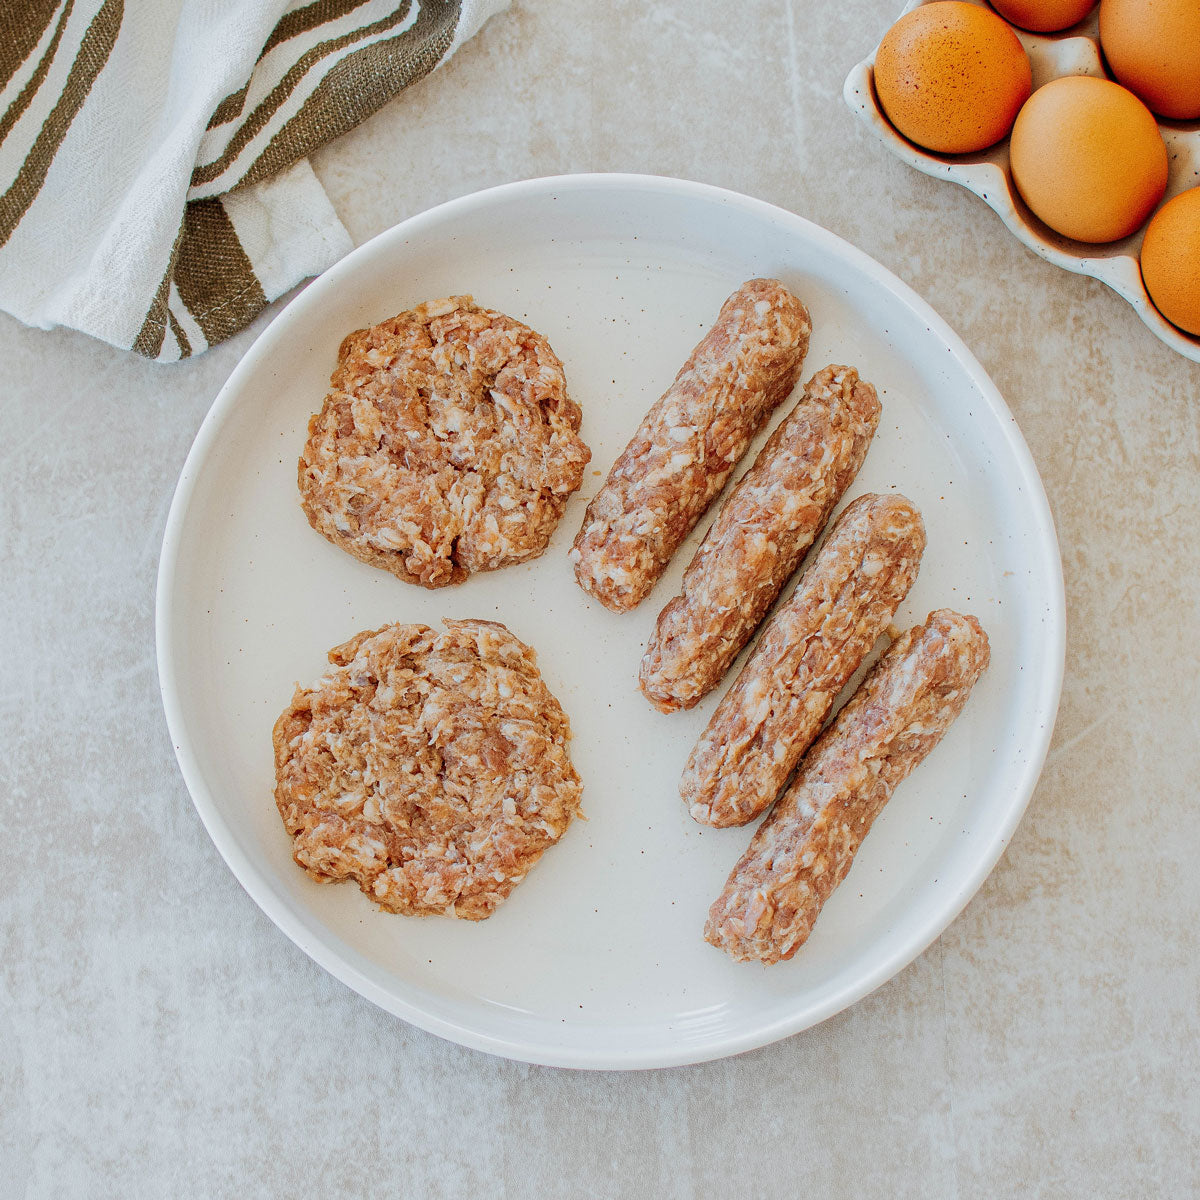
[[360, 84], [149, 340], [215, 278], [185, 347], [35, 81], [25, 23], [279, 94], [229, 108], [94, 50], [311, 16], [292, 24]]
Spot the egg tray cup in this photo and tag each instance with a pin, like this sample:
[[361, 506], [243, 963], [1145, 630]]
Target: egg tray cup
[[1074, 51]]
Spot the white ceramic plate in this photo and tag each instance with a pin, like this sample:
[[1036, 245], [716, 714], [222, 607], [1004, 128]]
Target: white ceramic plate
[[597, 959]]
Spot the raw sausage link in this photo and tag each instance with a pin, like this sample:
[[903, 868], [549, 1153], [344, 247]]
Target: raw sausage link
[[763, 532], [806, 655], [805, 847], [686, 448]]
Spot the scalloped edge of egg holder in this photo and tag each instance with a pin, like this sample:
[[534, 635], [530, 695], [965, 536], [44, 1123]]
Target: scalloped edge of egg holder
[[989, 175]]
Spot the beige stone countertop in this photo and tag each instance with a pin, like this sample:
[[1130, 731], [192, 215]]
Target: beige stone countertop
[[159, 1036]]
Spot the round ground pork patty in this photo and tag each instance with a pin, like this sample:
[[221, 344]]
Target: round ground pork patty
[[446, 445], [429, 767]]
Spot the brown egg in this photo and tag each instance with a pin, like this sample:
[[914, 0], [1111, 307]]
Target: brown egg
[[1044, 16], [952, 76], [1171, 260], [1088, 158], [1153, 48]]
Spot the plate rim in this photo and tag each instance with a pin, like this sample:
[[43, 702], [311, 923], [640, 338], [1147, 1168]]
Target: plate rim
[[254, 881]]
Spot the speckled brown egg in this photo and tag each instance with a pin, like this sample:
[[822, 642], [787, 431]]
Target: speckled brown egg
[[952, 77], [1044, 16], [1171, 260], [1153, 48], [1088, 158]]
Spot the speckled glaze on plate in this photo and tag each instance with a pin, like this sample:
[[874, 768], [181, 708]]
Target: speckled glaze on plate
[[597, 959], [1074, 51]]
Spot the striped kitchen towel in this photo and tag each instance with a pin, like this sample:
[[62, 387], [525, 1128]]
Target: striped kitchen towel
[[156, 190]]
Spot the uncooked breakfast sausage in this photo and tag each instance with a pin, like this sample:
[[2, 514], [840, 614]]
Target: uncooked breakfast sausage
[[806, 655], [804, 848], [759, 538], [687, 446]]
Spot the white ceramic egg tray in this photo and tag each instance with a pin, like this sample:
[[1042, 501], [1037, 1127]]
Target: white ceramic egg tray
[[1074, 51]]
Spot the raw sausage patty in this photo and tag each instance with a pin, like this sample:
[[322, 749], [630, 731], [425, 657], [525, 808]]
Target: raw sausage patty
[[431, 768], [447, 444]]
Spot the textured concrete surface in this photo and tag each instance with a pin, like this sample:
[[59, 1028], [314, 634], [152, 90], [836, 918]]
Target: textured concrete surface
[[158, 1036]]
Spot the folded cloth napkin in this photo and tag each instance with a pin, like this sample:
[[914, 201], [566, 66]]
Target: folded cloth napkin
[[153, 153]]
